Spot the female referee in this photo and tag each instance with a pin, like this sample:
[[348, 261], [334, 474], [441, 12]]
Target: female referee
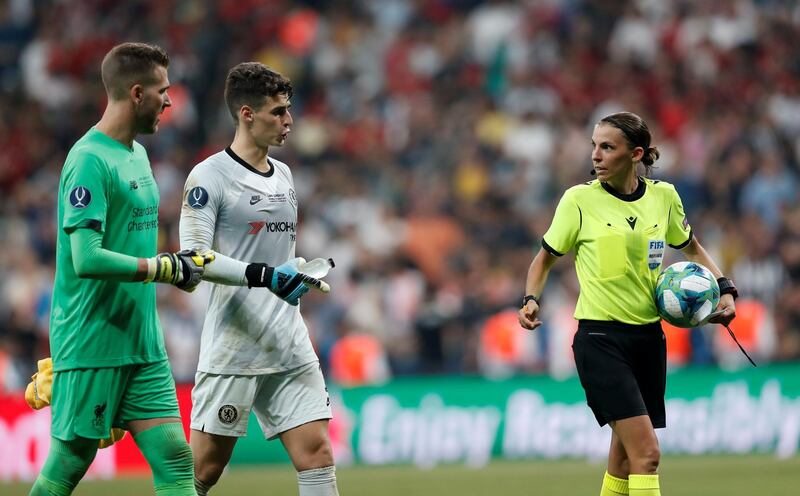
[[619, 226]]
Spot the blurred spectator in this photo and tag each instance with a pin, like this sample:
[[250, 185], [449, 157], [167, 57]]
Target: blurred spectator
[[358, 360], [771, 188]]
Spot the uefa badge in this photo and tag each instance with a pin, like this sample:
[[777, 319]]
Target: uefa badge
[[197, 197], [80, 197]]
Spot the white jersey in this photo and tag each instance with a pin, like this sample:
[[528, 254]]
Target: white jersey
[[251, 216]]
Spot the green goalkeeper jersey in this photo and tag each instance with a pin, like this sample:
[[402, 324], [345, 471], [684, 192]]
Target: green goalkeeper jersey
[[107, 187], [619, 242]]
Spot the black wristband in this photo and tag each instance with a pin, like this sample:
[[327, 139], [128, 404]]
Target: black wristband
[[530, 297], [258, 275], [726, 286]]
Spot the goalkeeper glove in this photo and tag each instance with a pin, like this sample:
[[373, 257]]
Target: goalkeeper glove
[[116, 435], [38, 392], [183, 269], [285, 280]]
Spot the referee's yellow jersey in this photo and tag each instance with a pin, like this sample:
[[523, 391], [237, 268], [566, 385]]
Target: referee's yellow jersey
[[619, 242]]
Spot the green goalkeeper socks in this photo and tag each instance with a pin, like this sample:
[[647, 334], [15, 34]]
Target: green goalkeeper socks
[[170, 459], [66, 463]]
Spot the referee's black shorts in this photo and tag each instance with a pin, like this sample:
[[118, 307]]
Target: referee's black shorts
[[623, 369]]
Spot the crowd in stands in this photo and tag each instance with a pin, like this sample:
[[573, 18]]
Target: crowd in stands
[[432, 141]]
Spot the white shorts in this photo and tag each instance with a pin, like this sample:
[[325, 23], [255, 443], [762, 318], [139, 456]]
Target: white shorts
[[221, 403]]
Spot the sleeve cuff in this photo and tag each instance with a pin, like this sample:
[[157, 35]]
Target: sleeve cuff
[[685, 243], [551, 249], [92, 224], [226, 270]]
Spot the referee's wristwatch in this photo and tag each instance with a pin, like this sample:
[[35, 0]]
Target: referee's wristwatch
[[726, 286], [530, 297]]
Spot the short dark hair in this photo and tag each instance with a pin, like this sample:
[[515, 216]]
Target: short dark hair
[[636, 133], [128, 64], [250, 83]]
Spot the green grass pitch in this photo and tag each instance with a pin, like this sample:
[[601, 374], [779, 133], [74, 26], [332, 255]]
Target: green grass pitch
[[681, 476]]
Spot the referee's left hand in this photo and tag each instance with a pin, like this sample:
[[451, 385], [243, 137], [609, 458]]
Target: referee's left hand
[[527, 315], [726, 311]]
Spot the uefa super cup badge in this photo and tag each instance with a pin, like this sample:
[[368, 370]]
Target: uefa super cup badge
[[80, 197], [197, 197]]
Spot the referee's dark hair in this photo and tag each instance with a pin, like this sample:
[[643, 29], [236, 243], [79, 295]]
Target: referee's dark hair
[[250, 83], [636, 133]]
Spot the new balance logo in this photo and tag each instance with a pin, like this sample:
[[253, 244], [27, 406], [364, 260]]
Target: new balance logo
[[255, 199]]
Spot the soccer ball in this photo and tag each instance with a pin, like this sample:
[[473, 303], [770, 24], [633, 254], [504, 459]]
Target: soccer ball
[[686, 294]]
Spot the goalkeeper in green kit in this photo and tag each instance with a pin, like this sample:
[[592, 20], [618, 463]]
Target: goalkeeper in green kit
[[110, 366]]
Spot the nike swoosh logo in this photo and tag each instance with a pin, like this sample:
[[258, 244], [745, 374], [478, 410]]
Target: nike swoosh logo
[[254, 201]]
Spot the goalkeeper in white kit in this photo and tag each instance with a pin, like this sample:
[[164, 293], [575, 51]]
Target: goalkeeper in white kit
[[255, 352]]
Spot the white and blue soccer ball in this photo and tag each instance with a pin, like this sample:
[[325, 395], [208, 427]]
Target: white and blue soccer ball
[[686, 294]]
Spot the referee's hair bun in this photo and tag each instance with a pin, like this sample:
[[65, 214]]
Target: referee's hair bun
[[650, 155]]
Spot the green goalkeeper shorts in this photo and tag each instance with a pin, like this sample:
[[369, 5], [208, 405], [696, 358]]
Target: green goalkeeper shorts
[[89, 402]]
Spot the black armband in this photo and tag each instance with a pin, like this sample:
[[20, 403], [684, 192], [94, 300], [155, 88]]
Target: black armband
[[726, 286], [258, 275]]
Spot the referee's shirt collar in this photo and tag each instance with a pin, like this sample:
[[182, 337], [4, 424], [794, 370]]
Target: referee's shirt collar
[[630, 197]]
